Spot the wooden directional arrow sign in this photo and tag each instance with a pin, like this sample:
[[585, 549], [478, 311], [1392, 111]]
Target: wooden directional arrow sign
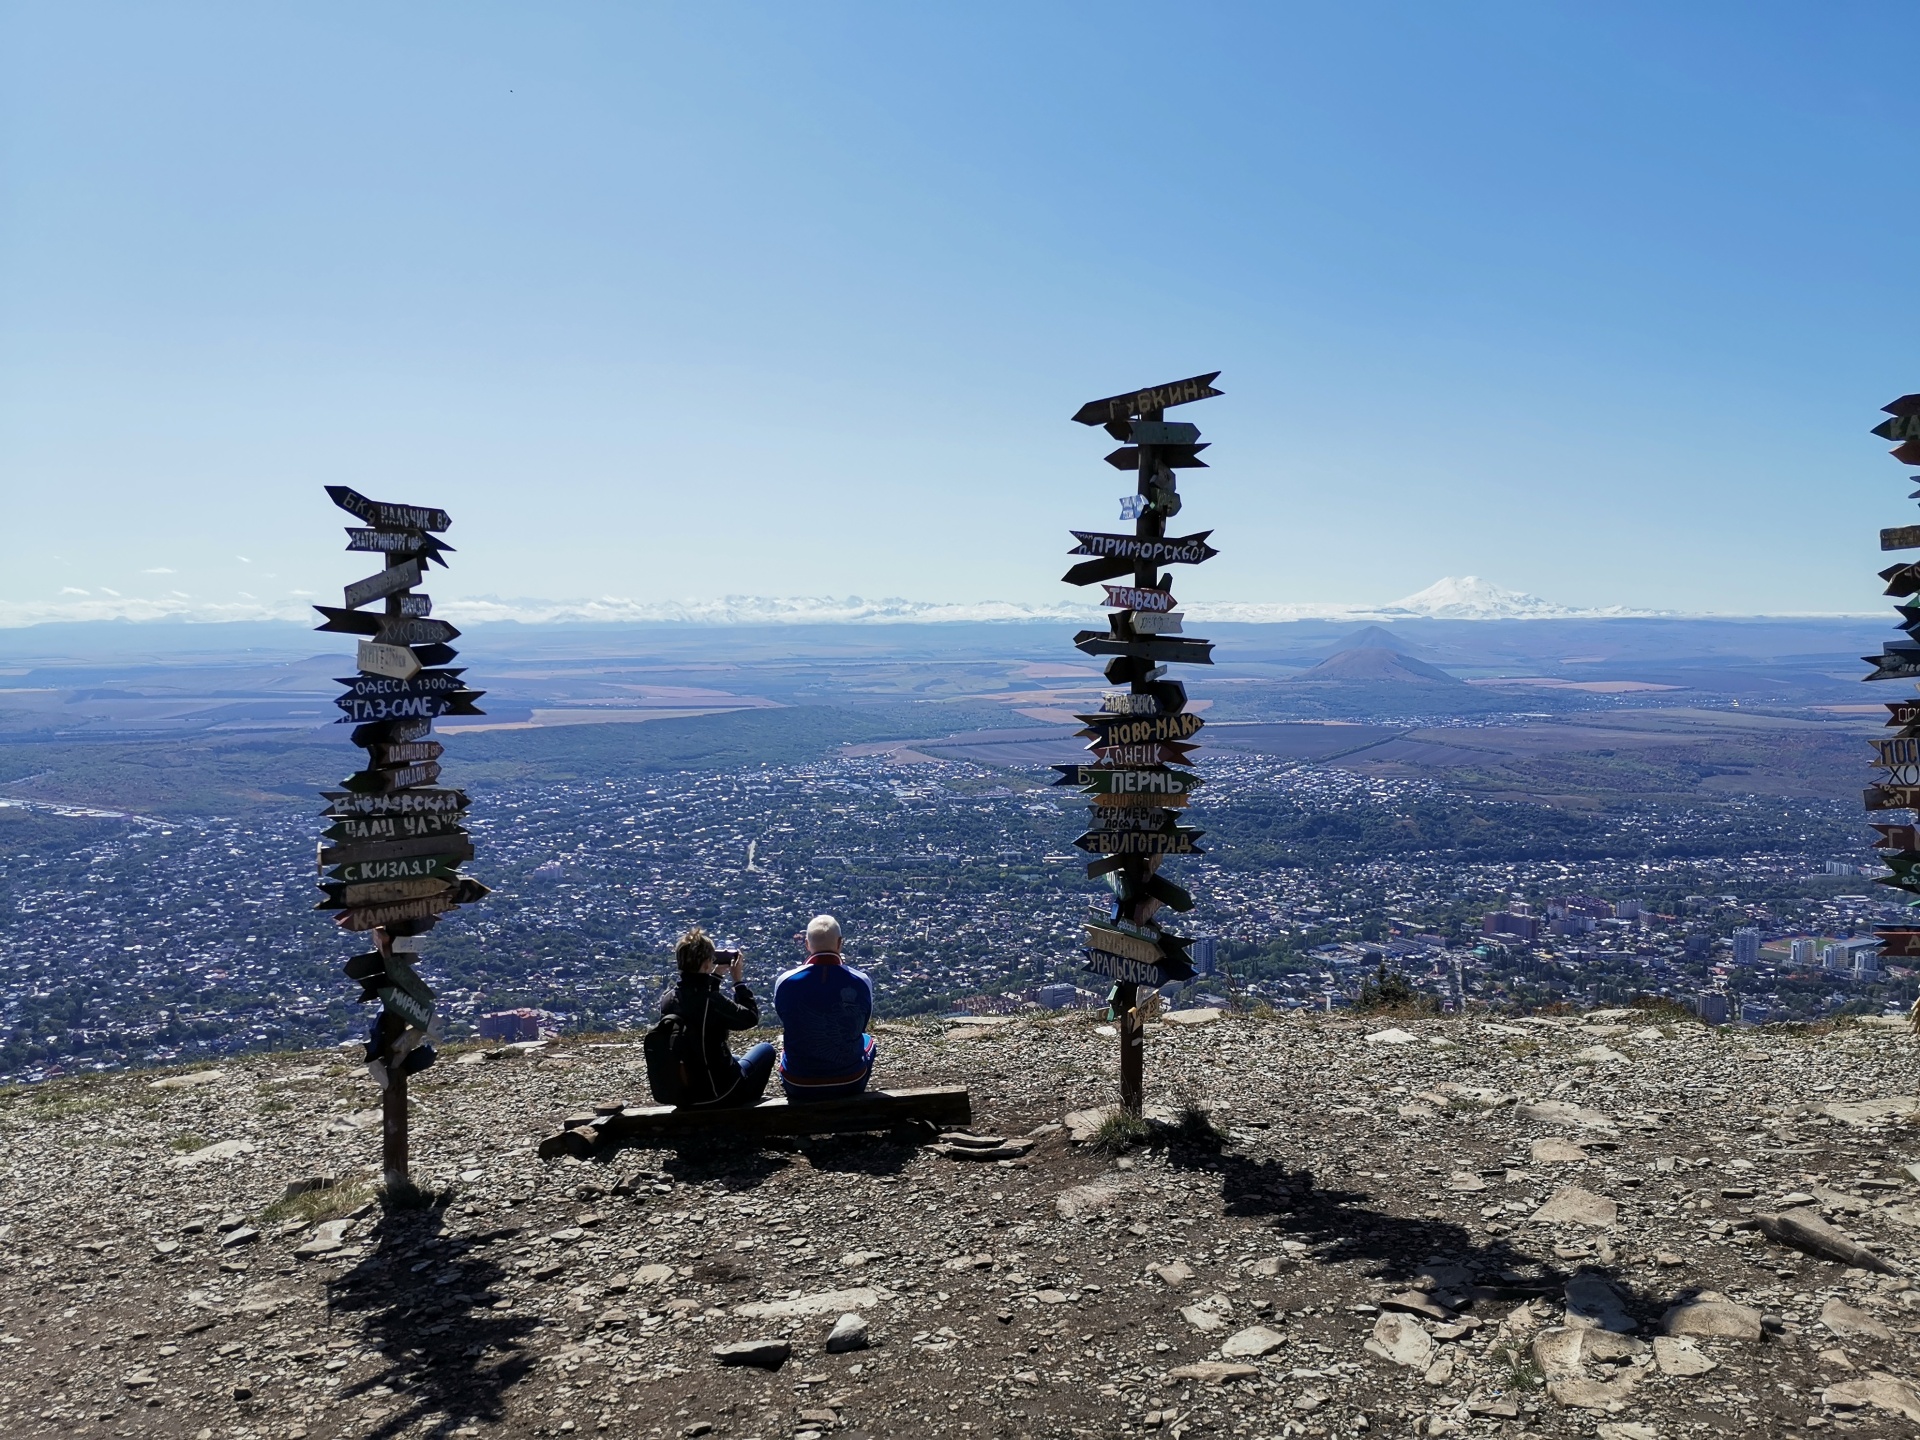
[[1889, 754], [410, 752], [1161, 753], [388, 516], [1897, 837], [427, 682], [452, 849], [1894, 665], [1101, 780], [1903, 712], [1898, 944], [349, 622], [412, 802], [411, 867], [1154, 397], [1140, 842], [1901, 427], [393, 827], [395, 662], [398, 542], [381, 782], [1163, 432], [1905, 405], [1879, 797], [381, 892], [1162, 650], [408, 707], [399, 630], [1902, 579], [391, 732], [1142, 550], [1174, 457], [1118, 942], [1907, 452], [1139, 729], [387, 582], [1146, 622], [1138, 597], [1125, 970], [1900, 537]]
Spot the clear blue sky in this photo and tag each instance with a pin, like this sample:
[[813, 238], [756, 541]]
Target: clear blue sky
[[1596, 301]]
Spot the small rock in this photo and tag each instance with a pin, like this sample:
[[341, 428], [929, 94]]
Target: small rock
[[1676, 1355], [242, 1235], [766, 1354], [1713, 1316], [1202, 1319], [1878, 1389], [849, 1333], [1392, 1037], [1555, 1151], [1214, 1372], [1252, 1343], [1200, 1015], [1571, 1205], [1583, 1394], [1097, 1198], [188, 1082], [1499, 1407], [1592, 1302], [1398, 1339], [1175, 1274], [1465, 1182], [1600, 1055], [827, 1302], [1626, 1430], [1416, 1302], [327, 1237], [1441, 1370], [219, 1150], [1851, 1322], [1808, 1233]]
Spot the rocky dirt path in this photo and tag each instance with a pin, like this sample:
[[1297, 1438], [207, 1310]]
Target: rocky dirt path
[[1433, 1228]]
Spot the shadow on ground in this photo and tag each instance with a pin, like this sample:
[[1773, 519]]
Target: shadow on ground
[[424, 1299]]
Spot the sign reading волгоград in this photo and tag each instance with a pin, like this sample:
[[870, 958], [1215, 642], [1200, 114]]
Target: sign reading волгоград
[[1145, 730], [397, 838]]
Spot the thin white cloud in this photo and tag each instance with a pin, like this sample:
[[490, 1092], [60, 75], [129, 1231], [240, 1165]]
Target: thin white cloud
[[243, 594], [243, 559], [71, 590], [108, 590], [158, 570], [181, 594]]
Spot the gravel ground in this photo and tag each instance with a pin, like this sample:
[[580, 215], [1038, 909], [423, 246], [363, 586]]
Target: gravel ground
[[1427, 1227]]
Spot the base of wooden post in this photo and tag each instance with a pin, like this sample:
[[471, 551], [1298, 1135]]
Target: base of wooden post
[[393, 1131], [1133, 1054]]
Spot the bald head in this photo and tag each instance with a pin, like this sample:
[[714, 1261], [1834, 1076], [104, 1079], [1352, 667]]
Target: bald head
[[823, 935]]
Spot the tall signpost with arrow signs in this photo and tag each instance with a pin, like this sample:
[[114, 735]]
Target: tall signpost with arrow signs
[[394, 840], [1143, 736]]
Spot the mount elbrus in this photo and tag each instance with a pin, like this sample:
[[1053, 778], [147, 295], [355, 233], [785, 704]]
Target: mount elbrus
[[1142, 732], [392, 851]]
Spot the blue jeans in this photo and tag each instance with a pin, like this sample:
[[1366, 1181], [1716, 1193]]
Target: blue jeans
[[755, 1066], [799, 1093]]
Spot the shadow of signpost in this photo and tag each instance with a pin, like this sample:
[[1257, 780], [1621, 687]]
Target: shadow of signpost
[[423, 1299]]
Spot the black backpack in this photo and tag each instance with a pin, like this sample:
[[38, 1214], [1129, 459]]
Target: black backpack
[[665, 1048]]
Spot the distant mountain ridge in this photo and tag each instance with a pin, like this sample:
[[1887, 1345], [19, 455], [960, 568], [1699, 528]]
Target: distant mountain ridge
[[1373, 665], [1465, 597]]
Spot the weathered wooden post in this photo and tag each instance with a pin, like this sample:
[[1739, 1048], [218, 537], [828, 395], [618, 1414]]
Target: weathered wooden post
[[395, 841], [1141, 732]]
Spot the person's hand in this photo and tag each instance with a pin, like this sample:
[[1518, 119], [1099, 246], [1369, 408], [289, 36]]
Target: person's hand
[[739, 967]]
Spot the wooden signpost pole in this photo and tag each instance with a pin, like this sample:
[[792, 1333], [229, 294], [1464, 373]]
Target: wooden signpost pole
[[1137, 798], [395, 835]]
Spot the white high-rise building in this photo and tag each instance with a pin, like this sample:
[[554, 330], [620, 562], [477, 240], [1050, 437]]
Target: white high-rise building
[[1802, 952], [1746, 946]]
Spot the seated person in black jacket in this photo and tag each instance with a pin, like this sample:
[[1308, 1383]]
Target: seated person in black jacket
[[709, 1075]]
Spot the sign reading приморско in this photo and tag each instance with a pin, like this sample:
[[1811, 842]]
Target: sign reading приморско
[[1173, 550]]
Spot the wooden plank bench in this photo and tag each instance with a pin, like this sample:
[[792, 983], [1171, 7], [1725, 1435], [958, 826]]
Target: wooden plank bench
[[947, 1106]]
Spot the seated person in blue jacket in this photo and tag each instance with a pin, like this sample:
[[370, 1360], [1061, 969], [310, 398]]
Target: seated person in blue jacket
[[709, 1075], [825, 1005]]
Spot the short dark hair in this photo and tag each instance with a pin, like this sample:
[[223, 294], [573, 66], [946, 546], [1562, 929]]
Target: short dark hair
[[693, 952]]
